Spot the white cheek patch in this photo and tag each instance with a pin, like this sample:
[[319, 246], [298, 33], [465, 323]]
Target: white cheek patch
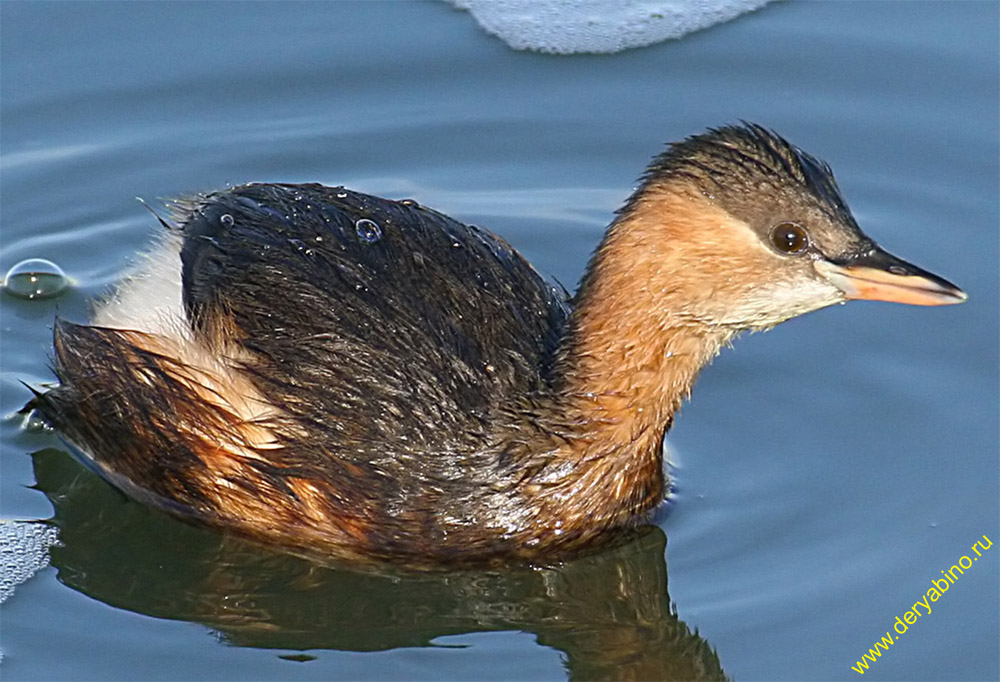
[[781, 301], [149, 298]]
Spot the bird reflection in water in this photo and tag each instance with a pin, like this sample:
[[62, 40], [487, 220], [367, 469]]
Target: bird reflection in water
[[609, 613]]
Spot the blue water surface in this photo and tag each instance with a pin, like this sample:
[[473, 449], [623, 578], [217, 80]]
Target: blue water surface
[[827, 472]]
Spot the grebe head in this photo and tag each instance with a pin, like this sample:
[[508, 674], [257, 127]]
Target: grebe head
[[742, 230]]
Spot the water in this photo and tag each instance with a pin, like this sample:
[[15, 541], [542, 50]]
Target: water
[[35, 278], [829, 472], [368, 230]]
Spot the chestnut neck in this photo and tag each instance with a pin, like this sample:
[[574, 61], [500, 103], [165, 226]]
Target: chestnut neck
[[631, 352]]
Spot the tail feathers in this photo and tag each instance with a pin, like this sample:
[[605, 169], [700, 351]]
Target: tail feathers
[[185, 438], [119, 403]]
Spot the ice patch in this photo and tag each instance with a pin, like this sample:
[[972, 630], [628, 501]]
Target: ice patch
[[599, 26], [24, 550]]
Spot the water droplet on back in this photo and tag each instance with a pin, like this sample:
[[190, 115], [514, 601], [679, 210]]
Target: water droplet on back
[[368, 230], [36, 278]]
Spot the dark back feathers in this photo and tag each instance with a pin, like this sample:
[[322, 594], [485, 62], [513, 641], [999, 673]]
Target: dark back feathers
[[349, 303]]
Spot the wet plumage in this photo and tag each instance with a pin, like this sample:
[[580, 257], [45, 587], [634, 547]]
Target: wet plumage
[[369, 378]]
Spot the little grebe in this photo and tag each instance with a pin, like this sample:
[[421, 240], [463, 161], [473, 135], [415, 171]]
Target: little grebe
[[369, 378]]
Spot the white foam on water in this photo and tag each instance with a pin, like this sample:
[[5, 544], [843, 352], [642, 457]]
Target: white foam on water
[[598, 26]]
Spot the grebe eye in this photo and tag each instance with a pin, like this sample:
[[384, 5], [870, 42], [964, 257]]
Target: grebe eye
[[789, 238]]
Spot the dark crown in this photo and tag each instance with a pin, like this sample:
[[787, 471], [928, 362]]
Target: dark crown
[[739, 158]]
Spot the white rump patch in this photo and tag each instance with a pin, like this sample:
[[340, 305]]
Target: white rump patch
[[149, 298]]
